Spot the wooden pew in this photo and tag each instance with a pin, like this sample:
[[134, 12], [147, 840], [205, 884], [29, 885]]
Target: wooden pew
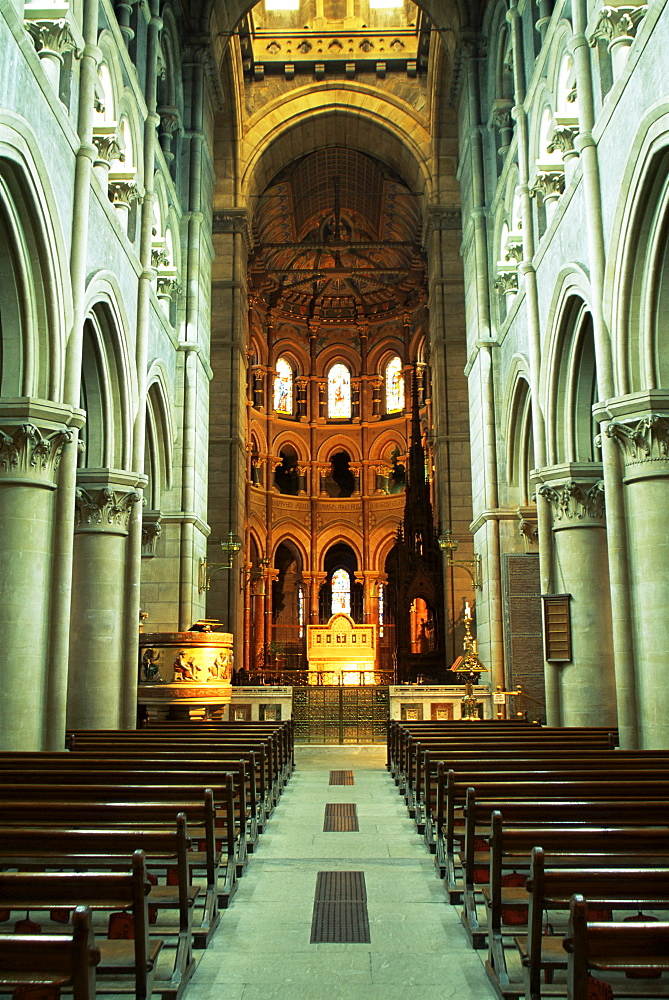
[[551, 888], [61, 961], [556, 786], [124, 966], [151, 777], [613, 948], [105, 813], [488, 746], [538, 765], [220, 861], [100, 850], [621, 812]]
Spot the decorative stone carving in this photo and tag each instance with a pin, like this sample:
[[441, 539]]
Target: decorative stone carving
[[159, 257], [27, 453], [647, 440], [233, 220], [506, 282], [514, 248], [529, 530], [151, 532], [52, 37], [549, 184], [618, 22], [103, 509], [107, 142], [443, 217], [170, 124], [573, 501], [123, 191], [501, 121], [562, 140]]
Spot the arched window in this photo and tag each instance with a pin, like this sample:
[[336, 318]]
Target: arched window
[[283, 387], [339, 392], [394, 385], [341, 592]]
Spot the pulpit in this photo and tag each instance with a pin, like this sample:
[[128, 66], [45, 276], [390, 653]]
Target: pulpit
[[341, 652], [184, 672]]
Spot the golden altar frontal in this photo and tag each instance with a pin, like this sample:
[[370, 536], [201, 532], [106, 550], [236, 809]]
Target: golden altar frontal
[[341, 652]]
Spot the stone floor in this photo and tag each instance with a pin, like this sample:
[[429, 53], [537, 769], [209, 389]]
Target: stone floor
[[418, 948]]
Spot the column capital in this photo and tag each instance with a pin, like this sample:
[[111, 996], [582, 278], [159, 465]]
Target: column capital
[[617, 22], [33, 434], [575, 502], [151, 531], [104, 500]]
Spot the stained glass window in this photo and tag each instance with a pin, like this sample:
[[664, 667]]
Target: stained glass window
[[394, 386], [300, 610], [339, 392], [341, 592], [382, 598], [283, 387]]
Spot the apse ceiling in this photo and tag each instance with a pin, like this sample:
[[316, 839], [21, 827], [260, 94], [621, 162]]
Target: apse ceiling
[[337, 236]]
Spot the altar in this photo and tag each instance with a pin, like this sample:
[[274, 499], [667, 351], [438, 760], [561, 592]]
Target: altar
[[341, 652]]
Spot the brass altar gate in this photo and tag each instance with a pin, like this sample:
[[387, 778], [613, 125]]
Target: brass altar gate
[[340, 714]]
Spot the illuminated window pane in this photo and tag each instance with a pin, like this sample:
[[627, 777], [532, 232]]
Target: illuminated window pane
[[283, 387], [300, 610], [339, 392], [394, 386], [382, 591], [282, 4], [380, 4], [341, 592]]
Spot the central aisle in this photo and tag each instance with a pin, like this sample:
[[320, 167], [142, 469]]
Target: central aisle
[[262, 948]]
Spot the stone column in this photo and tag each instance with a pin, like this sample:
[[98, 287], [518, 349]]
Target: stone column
[[32, 436], [105, 499], [640, 427], [587, 689]]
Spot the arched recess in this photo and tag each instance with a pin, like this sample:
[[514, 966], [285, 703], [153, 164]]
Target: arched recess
[[159, 437], [35, 305], [340, 563], [643, 294], [520, 443], [108, 381], [573, 388]]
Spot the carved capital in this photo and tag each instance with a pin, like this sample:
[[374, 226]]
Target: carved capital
[[529, 530], [549, 184], [574, 501], [53, 37], [514, 249], [151, 531], [122, 191], [107, 142], [645, 440], [159, 257], [562, 139], [233, 220], [506, 282], [168, 286], [106, 509], [27, 453], [441, 217], [618, 22], [170, 121]]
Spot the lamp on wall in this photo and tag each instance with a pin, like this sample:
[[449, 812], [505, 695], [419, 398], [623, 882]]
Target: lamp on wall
[[230, 546], [449, 545]]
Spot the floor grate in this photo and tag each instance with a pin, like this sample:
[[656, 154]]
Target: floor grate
[[340, 817], [341, 778], [340, 909]]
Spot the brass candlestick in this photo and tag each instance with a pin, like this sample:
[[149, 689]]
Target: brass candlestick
[[470, 665]]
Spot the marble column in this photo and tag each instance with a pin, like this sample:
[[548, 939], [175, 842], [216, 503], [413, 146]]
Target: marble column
[[640, 427], [32, 436], [587, 688], [105, 499]]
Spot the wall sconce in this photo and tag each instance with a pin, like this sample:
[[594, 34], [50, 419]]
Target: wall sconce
[[449, 545], [230, 545]]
